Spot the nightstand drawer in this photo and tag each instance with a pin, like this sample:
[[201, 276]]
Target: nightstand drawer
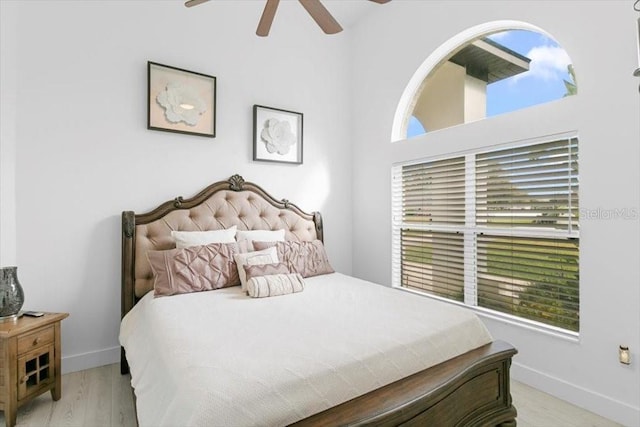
[[35, 340]]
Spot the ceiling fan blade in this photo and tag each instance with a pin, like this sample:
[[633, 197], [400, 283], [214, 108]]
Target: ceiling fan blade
[[380, 1], [322, 16], [264, 26], [191, 3]]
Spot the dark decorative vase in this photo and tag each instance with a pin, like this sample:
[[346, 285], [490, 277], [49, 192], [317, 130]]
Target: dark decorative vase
[[11, 295]]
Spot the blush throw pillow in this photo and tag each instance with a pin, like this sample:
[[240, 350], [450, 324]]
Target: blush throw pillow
[[265, 270], [194, 269], [185, 239], [274, 285], [266, 256], [307, 258]]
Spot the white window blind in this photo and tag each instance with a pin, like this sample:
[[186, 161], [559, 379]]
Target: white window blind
[[433, 262], [433, 193], [431, 200], [497, 230], [533, 278], [534, 186]]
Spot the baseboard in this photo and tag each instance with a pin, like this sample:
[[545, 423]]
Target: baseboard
[[590, 400], [93, 359]]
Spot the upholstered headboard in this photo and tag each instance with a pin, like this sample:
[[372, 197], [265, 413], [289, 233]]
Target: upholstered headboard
[[219, 206]]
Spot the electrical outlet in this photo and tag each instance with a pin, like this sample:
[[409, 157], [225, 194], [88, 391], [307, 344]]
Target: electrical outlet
[[624, 355]]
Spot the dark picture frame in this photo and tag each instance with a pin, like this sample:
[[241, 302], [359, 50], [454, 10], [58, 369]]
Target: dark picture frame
[[180, 101], [277, 135]]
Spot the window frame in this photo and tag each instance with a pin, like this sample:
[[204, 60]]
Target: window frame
[[470, 230]]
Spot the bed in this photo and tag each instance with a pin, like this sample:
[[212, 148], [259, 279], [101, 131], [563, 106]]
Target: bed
[[342, 352]]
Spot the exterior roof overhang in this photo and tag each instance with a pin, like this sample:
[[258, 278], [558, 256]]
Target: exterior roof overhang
[[490, 61]]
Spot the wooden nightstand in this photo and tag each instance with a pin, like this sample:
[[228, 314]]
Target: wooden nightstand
[[29, 361]]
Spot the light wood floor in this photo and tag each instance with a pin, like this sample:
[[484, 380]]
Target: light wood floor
[[102, 397], [93, 398], [539, 409]]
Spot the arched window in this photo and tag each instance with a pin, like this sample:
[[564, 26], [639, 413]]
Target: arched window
[[492, 73], [495, 226]]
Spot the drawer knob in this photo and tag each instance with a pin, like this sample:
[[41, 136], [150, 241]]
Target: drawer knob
[[24, 379], [36, 341]]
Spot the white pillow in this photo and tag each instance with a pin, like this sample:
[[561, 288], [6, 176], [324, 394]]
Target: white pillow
[[185, 239], [265, 256], [260, 236]]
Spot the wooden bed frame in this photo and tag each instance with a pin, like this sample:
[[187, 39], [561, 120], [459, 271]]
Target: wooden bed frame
[[469, 390]]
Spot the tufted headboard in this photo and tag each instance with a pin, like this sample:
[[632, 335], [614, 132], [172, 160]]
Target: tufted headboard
[[219, 206]]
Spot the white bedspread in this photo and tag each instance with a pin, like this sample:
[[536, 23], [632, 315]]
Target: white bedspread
[[221, 358]]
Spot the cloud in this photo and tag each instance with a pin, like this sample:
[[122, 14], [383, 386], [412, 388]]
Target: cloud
[[548, 63], [501, 36]]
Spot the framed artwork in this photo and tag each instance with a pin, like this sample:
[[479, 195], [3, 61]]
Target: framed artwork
[[277, 135], [180, 101]]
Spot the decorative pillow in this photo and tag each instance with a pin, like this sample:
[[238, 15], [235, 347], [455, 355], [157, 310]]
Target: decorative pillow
[[274, 285], [265, 270], [194, 269], [307, 258], [267, 256], [185, 239], [262, 235]]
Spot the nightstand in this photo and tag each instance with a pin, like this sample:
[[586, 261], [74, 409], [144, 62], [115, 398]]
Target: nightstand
[[29, 361]]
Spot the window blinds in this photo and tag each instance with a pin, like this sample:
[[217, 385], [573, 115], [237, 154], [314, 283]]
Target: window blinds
[[433, 193], [532, 278], [433, 262], [496, 229], [534, 186], [429, 195]]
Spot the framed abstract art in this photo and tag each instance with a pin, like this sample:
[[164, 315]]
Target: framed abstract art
[[180, 101], [277, 135]]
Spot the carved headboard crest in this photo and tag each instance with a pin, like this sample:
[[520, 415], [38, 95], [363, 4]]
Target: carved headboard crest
[[236, 182]]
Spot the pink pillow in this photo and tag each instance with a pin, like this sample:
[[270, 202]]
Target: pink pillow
[[265, 269], [307, 258], [194, 269]]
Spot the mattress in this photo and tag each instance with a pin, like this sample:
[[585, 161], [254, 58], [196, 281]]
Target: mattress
[[221, 358]]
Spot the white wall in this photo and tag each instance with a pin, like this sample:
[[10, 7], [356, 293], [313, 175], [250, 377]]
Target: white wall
[[8, 73], [83, 153], [389, 46]]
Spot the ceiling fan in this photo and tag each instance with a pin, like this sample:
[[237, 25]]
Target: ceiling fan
[[317, 11]]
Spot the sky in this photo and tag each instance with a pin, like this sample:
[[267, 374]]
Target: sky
[[542, 83]]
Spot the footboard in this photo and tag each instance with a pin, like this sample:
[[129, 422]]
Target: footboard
[[469, 390]]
